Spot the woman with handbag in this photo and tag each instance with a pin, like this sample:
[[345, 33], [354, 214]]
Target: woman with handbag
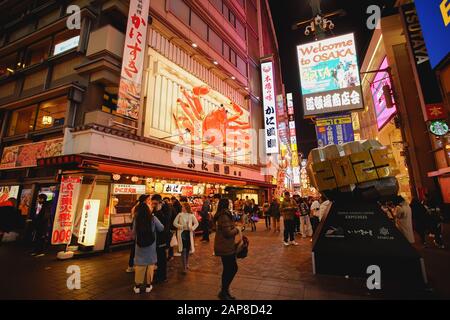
[[186, 223], [145, 226], [225, 247]]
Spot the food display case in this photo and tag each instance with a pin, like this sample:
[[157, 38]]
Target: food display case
[[120, 218]]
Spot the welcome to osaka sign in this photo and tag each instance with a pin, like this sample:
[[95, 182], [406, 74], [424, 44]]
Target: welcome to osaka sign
[[329, 73]]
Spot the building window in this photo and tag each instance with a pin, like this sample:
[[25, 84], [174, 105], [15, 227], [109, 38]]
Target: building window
[[181, 10], [47, 114], [51, 113], [8, 65], [232, 19], [242, 66], [22, 120], [226, 51], [66, 41], [240, 28], [233, 57], [37, 53], [199, 26], [110, 100], [218, 4], [215, 41]]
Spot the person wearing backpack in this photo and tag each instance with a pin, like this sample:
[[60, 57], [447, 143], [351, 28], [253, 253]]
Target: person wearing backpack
[[145, 226], [225, 247]]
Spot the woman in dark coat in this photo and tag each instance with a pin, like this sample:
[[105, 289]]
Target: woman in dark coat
[[225, 247]]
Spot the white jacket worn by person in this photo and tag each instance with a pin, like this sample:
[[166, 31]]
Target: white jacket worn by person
[[324, 209], [403, 220], [185, 222]]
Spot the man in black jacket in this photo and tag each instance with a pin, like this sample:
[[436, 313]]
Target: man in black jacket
[[41, 225], [162, 211], [204, 223]]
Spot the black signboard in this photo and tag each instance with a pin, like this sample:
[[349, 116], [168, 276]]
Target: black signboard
[[418, 50], [354, 236]]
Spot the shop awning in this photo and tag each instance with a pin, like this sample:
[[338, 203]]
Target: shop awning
[[147, 170], [167, 174]]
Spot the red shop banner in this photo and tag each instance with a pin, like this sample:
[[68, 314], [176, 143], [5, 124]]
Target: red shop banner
[[133, 59], [65, 210]]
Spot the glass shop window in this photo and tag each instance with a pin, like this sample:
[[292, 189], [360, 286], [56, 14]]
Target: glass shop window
[[51, 113], [22, 120], [8, 65], [37, 53]]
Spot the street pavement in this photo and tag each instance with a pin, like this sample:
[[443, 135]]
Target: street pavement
[[270, 272]]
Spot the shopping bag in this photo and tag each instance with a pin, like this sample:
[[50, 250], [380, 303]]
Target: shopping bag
[[174, 241]]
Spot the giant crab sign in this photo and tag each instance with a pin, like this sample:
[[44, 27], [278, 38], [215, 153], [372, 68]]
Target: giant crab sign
[[224, 129]]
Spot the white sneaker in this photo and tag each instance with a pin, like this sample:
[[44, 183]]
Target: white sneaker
[[137, 290], [39, 255], [286, 243], [177, 254], [129, 270], [148, 289], [294, 243]]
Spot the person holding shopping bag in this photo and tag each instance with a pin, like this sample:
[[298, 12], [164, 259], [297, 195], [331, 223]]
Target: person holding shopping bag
[[186, 224], [225, 247], [145, 227]]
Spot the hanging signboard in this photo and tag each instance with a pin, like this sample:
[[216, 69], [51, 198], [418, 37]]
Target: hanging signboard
[[334, 130], [133, 59], [65, 211], [270, 115], [439, 128], [434, 17], [329, 74], [88, 226], [26, 155], [428, 85], [381, 81], [128, 189]]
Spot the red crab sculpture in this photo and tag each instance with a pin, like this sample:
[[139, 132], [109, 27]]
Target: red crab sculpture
[[220, 128]]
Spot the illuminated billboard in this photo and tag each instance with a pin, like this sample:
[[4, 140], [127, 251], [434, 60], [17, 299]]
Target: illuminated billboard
[[329, 73], [381, 80]]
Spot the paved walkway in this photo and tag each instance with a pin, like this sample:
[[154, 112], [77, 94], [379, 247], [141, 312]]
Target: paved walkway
[[270, 272]]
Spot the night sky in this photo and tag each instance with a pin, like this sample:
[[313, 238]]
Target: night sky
[[285, 13]]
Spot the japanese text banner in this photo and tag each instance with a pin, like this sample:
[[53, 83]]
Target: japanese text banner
[[65, 210], [133, 59]]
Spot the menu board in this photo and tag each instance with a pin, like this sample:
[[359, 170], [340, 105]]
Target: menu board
[[26, 155]]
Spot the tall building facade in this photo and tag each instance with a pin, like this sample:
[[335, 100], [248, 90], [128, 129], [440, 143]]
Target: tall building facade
[[60, 99]]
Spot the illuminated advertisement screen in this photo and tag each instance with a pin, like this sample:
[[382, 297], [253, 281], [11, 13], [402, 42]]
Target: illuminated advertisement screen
[[381, 79], [329, 74]]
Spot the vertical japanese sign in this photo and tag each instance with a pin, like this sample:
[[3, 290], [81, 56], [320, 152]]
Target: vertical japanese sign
[[329, 74], [88, 226], [293, 139], [270, 115], [429, 92], [133, 59], [65, 210]]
